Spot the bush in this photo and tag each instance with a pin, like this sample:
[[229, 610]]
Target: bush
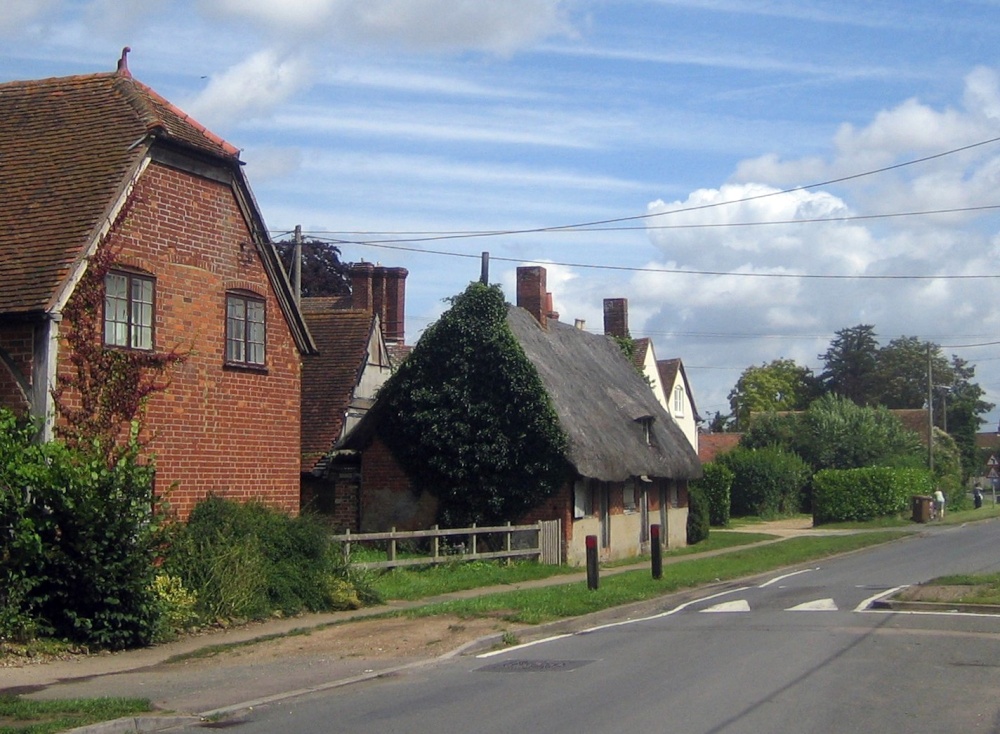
[[79, 563], [248, 561], [867, 493], [698, 515], [767, 482], [716, 483]]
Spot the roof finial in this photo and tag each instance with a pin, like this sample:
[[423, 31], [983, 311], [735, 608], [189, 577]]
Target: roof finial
[[123, 63]]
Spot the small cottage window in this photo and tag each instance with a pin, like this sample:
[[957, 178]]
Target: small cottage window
[[679, 401], [128, 310], [583, 500], [628, 496], [245, 330]]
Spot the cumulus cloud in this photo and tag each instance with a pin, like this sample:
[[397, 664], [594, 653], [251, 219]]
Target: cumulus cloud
[[703, 316], [440, 25], [254, 87]]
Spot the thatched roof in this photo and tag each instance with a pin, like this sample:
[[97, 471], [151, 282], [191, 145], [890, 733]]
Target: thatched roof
[[602, 403]]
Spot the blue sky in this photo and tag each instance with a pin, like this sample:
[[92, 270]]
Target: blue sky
[[362, 120]]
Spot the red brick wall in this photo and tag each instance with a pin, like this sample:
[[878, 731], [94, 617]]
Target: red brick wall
[[387, 497], [17, 342], [228, 431]]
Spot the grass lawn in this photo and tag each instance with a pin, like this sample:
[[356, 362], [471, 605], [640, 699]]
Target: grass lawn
[[23, 716]]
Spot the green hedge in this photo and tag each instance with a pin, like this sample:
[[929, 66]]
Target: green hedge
[[767, 482], [77, 561], [698, 515], [864, 494], [716, 482]]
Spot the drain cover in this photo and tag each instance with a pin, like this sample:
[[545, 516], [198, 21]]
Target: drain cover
[[534, 666]]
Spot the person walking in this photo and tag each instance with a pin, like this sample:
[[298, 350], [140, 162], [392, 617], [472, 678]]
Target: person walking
[[939, 504], [977, 496]]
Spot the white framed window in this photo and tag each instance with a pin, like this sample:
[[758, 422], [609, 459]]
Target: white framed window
[[629, 501], [128, 310], [246, 330], [679, 401]]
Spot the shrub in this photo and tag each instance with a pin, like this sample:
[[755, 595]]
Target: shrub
[[248, 561], [866, 493], [698, 515], [767, 482], [177, 607], [80, 561], [716, 483]]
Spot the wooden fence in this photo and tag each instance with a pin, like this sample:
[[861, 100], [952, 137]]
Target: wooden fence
[[547, 547]]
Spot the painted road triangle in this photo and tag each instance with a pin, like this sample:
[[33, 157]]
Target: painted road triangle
[[740, 605], [820, 605]]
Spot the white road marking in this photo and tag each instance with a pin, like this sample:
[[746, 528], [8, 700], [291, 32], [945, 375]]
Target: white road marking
[[786, 576], [819, 605], [740, 605]]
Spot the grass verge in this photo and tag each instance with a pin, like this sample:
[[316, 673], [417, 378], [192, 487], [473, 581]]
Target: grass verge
[[534, 606], [25, 716]]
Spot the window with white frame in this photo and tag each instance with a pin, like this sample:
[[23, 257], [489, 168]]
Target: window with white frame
[[679, 401], [629, 496], [245, 329], [583, 499], [128, 310]]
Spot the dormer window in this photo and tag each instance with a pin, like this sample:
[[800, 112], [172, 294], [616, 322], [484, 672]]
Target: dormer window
[[647, 428]]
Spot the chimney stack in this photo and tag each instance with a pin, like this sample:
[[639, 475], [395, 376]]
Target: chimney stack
[[382, 291], [531, 294], [616, 317]]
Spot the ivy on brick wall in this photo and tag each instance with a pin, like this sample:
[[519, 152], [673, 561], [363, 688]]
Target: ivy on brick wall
[[105, 390], [467, 417]]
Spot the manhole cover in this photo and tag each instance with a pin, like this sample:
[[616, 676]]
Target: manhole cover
[[534, 666]]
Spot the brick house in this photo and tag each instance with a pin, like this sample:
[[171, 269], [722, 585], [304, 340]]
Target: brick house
[[356, 337], [628, 461], [102, 161]]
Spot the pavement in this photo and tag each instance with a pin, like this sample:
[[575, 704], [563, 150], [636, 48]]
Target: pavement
[[189, 689]]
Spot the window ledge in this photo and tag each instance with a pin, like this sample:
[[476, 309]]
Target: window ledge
[[243, 367]]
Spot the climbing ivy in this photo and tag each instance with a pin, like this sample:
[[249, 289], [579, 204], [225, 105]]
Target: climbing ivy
[[468, 418], [106, 390]]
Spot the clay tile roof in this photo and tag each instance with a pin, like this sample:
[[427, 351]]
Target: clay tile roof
[[329, 378], [68, 148], [639, 352]]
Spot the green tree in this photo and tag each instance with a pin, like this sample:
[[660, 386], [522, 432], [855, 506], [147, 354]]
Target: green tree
[[467, 417], [776, 386], [850, 364], [900, 379], [964, 407], [323, 273]]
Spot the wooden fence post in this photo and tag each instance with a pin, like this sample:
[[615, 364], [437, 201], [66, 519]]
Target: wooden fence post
[[435, 542], [392, 545]]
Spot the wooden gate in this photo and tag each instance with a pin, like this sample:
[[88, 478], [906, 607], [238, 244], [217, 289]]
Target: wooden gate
[[550, 542]]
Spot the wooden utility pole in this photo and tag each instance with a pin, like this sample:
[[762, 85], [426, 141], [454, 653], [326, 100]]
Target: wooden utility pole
[[297, 265]]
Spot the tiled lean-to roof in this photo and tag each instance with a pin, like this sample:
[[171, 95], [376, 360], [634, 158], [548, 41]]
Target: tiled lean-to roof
[[68, 148]]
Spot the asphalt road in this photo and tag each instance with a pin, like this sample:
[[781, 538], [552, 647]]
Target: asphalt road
[[797, 652]]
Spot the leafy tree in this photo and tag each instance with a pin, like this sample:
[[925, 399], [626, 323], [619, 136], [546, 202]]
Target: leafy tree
[[964, 406], [721, 423], [900, 379], [777, 386], [850, 364], [467, 417], [323, 273]]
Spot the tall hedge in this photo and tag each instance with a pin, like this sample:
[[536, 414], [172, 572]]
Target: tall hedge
[[767, 482], [467, 417], [698, 514], [716, 483], [864, 494]]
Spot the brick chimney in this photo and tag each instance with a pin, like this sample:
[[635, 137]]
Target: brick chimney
[[382, 291], [531, 294], [361, 287], [394, 313], [616, 317]]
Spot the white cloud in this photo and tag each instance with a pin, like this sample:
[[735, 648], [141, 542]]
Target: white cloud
[[441, 25], [253, 87], [18, 17]]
